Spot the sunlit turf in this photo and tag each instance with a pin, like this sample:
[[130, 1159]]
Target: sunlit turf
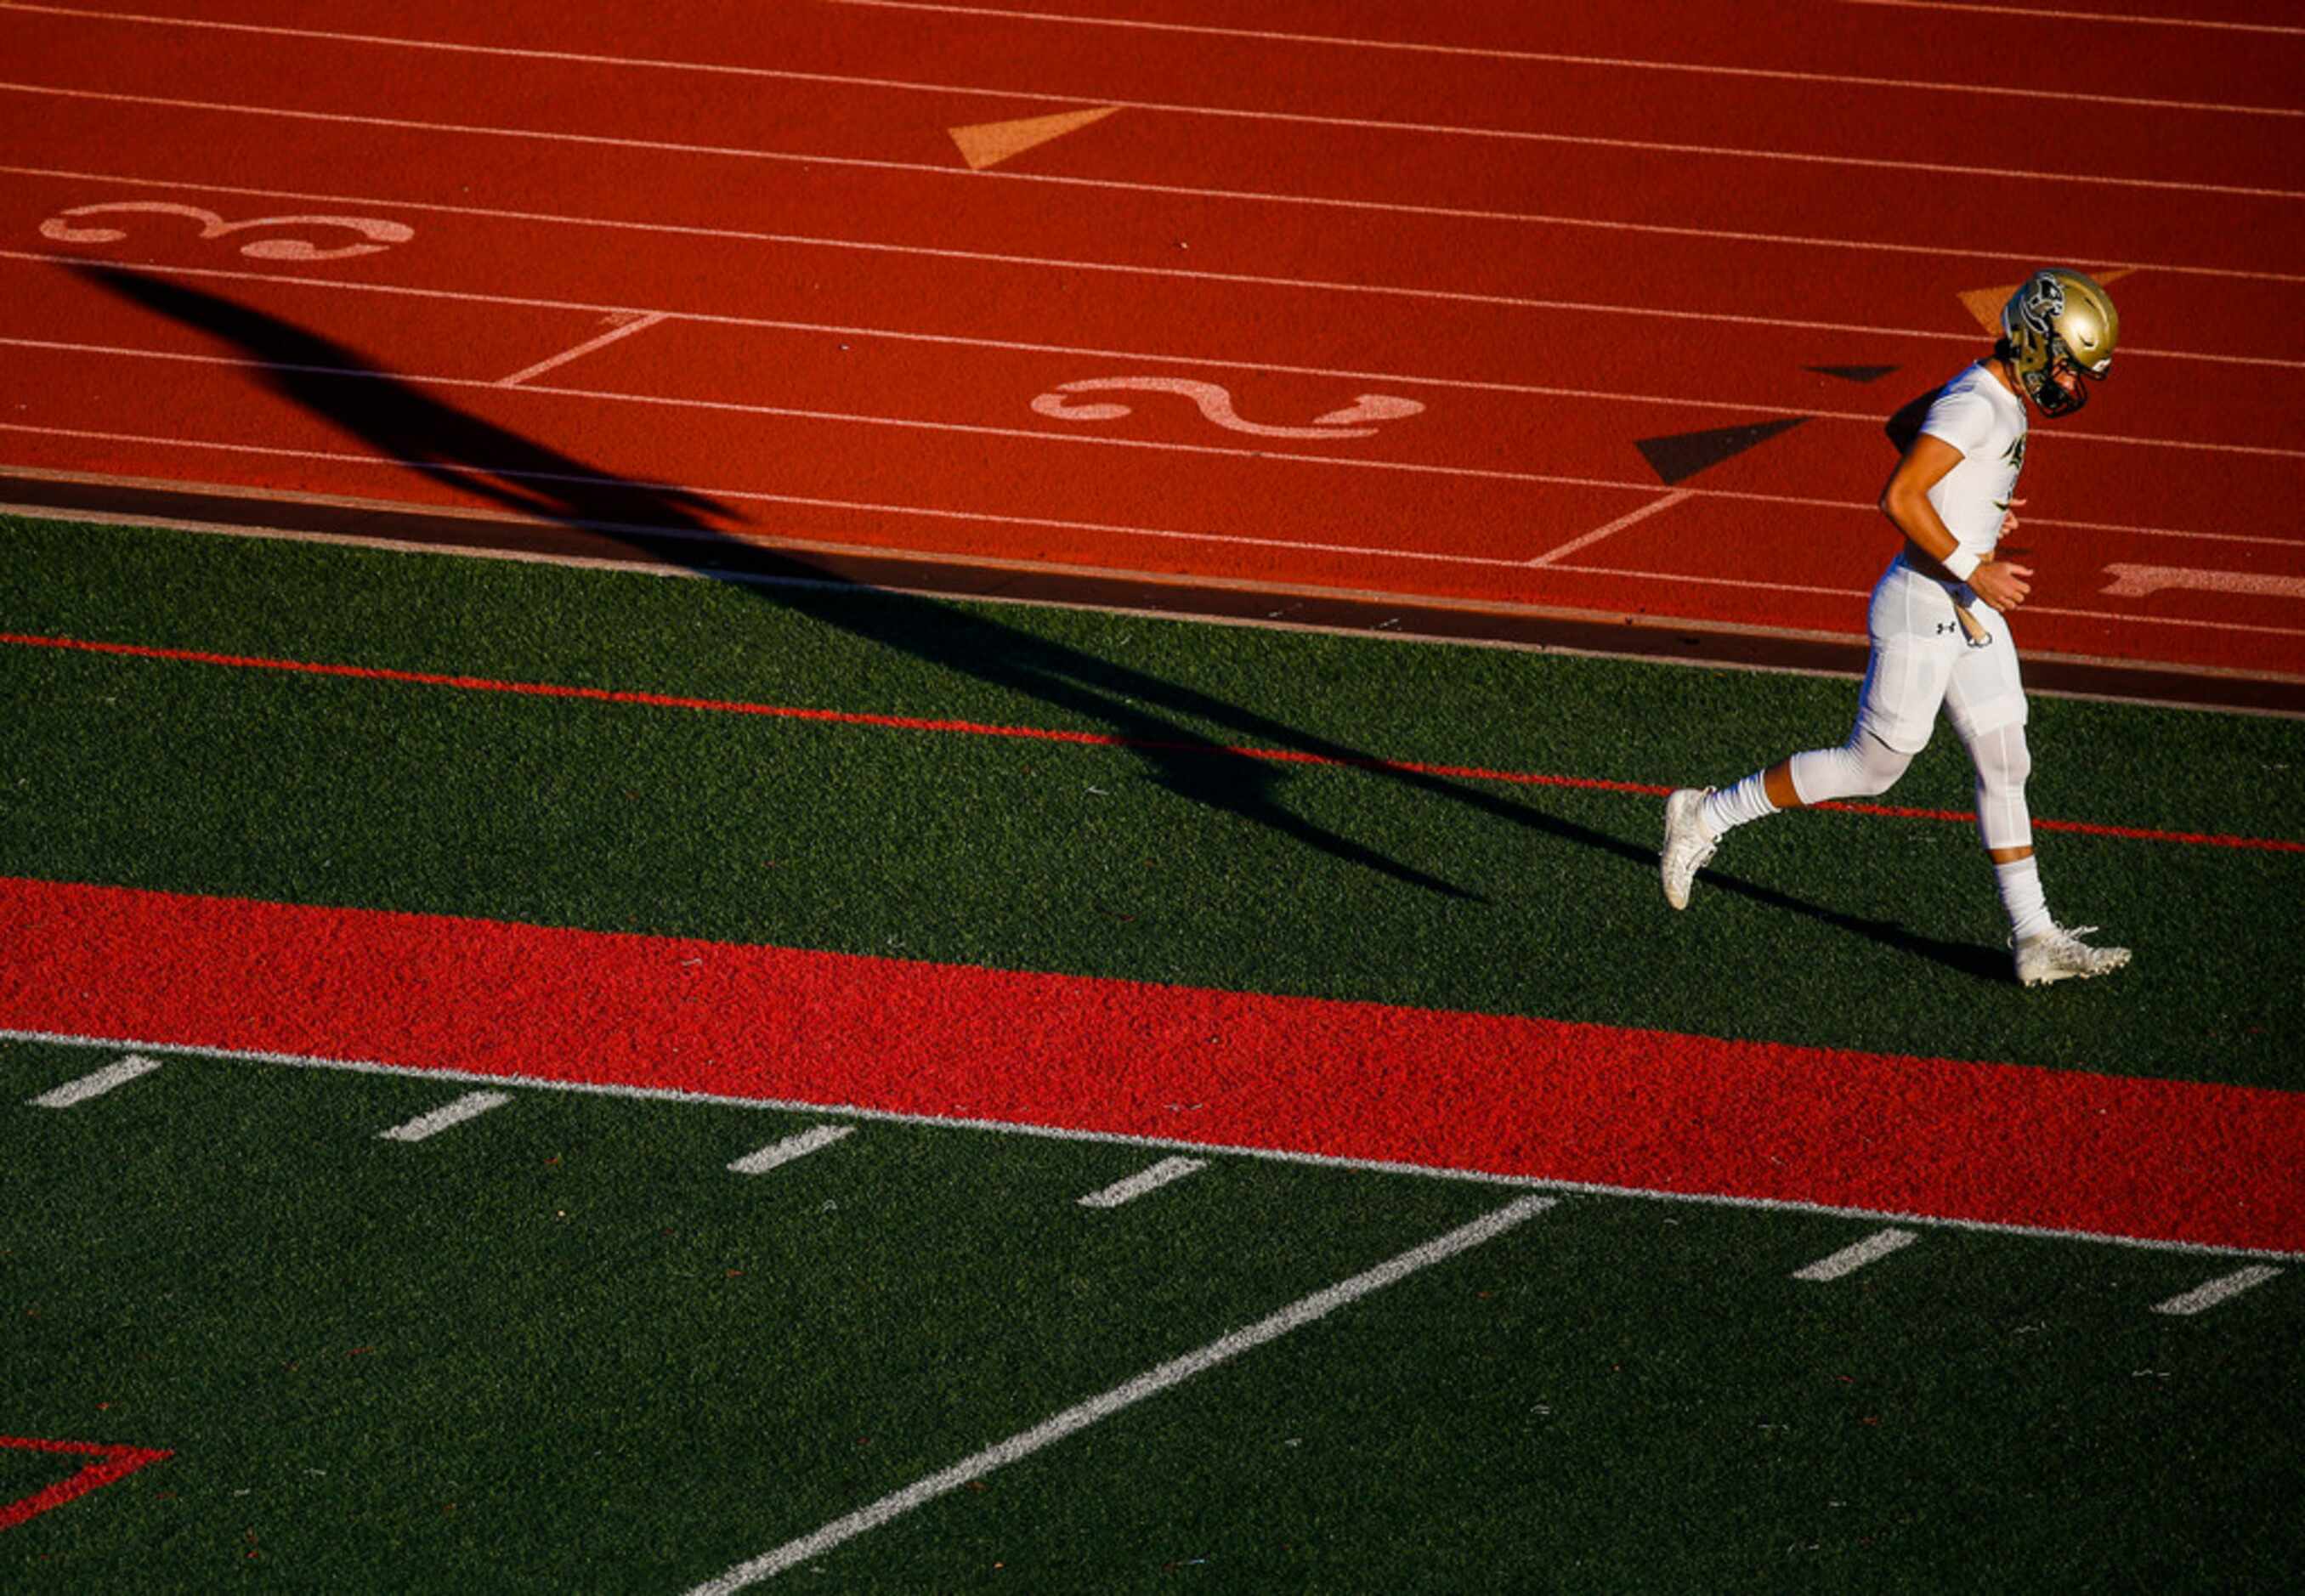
[[1162, 865], [561, 1345]]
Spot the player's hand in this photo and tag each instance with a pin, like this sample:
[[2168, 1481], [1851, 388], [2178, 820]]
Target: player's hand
[[2001, 584], [2009, 517]]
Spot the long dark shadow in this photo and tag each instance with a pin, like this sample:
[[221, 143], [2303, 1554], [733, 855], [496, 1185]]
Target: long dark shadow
[[437, 440], [426, 434]]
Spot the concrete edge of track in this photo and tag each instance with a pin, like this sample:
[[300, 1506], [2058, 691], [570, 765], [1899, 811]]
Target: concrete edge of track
[[213, 508]]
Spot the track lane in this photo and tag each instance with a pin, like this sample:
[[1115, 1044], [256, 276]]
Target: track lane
[[860, 122], [1052, 499], [1631, 84]]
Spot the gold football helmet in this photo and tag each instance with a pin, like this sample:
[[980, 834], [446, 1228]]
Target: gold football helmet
[[2059, 319]]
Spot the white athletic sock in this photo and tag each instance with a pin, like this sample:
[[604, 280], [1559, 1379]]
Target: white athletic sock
[[1748, 800], [2021, 896]]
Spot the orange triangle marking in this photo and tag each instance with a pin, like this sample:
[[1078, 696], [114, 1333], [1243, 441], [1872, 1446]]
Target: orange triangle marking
[[1985, 304], [989, 143]]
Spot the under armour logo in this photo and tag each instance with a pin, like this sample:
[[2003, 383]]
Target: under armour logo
[[1945, 627]]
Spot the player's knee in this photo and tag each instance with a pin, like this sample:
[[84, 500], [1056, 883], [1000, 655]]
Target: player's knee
[[1878, 766]]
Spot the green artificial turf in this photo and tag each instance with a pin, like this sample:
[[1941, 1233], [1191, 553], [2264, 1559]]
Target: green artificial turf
[[561, 1346], [1155, 864]]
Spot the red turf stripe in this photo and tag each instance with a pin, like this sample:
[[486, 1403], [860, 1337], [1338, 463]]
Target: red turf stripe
[[114, 1463], [1502, 1094], [1043, 735]]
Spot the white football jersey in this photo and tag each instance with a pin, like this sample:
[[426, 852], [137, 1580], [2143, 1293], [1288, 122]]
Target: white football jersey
[[1985, 422]]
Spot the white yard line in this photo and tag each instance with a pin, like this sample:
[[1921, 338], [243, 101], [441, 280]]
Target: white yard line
[[471, 1106], [1152, 1382], [1850, 1259], [789, 1149], [96, 1084], [2223, 1288], [640, 324], [665, 1095], [1631, 518], [1143, 1181]]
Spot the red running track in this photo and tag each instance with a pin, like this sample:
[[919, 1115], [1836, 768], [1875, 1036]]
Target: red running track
[[1520, 1097], [1556, 237]]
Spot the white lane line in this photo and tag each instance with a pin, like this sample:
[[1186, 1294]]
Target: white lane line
[[1175, 1371], [1629, 519], [2225, 1286], [789, 1149], [2126, 618], [1031, 434], [471, 1106], [1550, 58], [638, 323], [1143, 1181], [2082, 16], [96, 1083], [1368, 124], [1850, 1259], [1937, 252], [1313, 1161], [1622, 63], [1124, 268], [748, 495]]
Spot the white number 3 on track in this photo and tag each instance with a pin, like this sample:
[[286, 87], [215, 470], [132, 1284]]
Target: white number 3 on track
[[381, 234]]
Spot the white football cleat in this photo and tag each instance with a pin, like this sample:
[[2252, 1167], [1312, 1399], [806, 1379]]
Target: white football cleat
[[2058, 953], [1686, 844]]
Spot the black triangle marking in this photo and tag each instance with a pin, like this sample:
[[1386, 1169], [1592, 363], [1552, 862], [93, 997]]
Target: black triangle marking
[[1681, 456], [1852, 373]]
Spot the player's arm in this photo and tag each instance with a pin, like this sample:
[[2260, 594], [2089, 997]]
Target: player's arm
[[1905, 501]]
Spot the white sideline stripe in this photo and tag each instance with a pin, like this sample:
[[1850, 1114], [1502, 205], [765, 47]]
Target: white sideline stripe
[[471, 1106], [1152, 1382], [2082, 16], [1236, 279], [666, 1094], [789, 1149], [1497, 53], [97, 1082], [1143, 1181], [1227, 539], [1850, 1259], [640, 324], [1336, 202], [1629, 519], [2224, 1286], [1430, 129]]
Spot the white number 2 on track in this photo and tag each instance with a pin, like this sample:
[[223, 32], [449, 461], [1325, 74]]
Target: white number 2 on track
[[1215, 405], [381, 234]]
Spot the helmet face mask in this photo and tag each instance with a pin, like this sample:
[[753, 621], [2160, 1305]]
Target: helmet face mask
[[2059, 321]]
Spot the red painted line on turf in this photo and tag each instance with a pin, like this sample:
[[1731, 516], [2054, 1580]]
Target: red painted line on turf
[[113, 1463], [1503, 1095], [912, 723]]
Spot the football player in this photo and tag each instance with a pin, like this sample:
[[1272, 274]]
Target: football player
[[1940, 638]]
